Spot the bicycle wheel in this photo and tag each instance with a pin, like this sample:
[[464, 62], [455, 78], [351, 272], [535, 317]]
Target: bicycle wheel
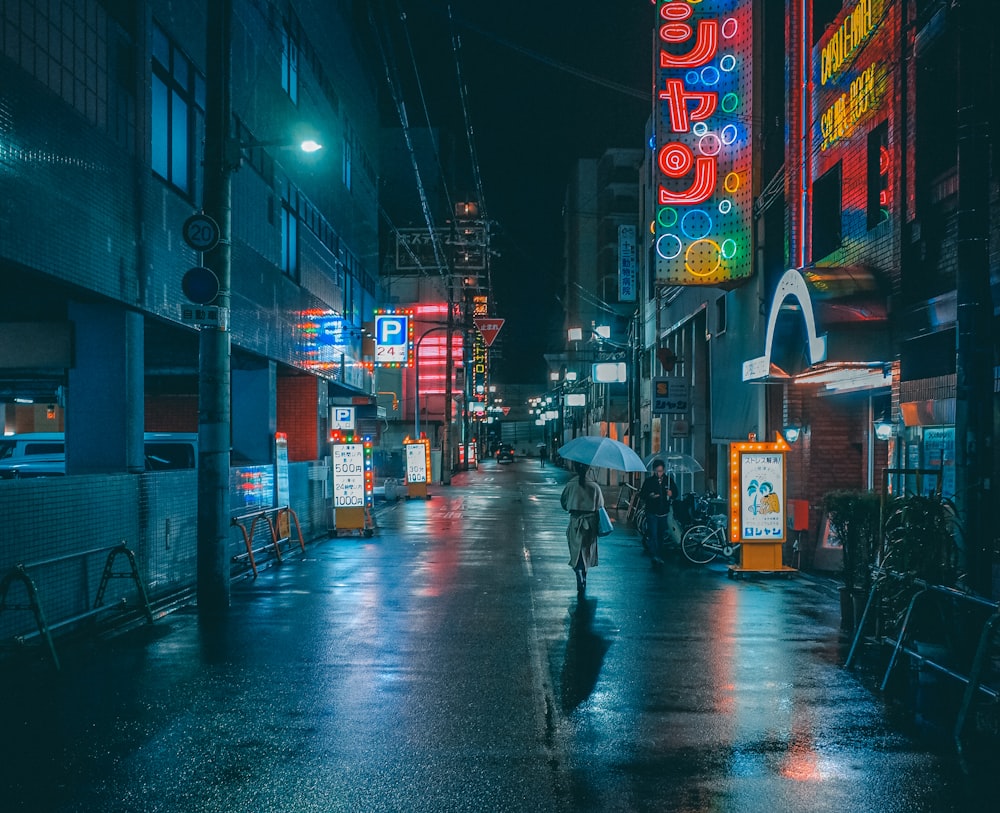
[[640, 522], [700, 544]]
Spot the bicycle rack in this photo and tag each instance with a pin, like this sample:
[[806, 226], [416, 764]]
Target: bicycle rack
[[20, 573], [277, 520], [901, 643]]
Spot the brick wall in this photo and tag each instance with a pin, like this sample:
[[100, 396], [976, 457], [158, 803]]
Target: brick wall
[[298, 416], [830, 453], [171, 413]]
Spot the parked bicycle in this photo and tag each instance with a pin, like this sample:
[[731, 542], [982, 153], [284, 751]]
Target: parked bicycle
[[703, 543], [689, 511]]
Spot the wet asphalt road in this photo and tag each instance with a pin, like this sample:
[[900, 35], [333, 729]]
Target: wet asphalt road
[[446, 664]]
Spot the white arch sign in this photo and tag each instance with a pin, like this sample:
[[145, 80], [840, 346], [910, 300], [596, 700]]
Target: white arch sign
[[792, 284]]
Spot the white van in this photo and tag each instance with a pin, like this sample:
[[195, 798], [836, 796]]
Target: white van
[[32, 454], [43, 454]]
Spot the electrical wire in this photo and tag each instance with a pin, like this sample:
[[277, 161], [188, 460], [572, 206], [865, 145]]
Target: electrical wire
[[470, 139], [423, 101], [553, 63], [392, 79], [463, 95]]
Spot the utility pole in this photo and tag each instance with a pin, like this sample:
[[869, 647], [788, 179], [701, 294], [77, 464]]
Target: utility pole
[[449, 374], [974, 341], [214, 364]]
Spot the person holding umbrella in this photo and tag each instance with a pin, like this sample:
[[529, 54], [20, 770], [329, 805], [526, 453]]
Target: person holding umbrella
[[582, 498], [657, 493]]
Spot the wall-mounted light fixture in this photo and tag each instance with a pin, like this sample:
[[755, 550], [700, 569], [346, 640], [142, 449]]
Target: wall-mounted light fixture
[[792, 432], [884, 428]]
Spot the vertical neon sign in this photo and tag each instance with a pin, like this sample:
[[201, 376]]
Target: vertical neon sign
[[702, 124]]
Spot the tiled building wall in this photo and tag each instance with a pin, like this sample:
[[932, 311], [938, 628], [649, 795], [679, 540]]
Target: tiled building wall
[[155, 514]]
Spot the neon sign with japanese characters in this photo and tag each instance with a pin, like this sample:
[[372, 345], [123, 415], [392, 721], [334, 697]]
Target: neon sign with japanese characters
[[702, 134]]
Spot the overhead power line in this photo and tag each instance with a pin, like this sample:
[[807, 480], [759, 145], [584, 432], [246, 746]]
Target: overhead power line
[[556, 64], [392, 80]]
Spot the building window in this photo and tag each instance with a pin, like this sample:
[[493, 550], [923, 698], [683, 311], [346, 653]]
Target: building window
[[827, 227], [878, 175], [290, 235], [289, 65], [178, 105], [720, 315], [348, 147]]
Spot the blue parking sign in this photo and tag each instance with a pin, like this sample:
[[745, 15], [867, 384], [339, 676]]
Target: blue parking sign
[[392, 341]]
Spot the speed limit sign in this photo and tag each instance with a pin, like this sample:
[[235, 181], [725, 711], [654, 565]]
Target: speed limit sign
[[201, 232]]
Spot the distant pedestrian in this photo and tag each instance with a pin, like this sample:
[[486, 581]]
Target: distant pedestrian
[[582, 497], [543, 455], [657, 493]]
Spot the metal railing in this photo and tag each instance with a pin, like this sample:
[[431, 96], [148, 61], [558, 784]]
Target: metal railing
[[278, 521], [22, 573], [901, 639]]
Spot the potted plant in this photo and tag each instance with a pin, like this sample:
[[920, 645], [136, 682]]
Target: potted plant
[[921, 549], [854, 517], [920, 539]]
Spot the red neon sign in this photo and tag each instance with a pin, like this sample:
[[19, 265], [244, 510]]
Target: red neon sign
[[703, 130]]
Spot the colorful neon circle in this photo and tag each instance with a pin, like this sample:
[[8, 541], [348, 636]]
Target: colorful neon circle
[[699, 128], [710, 144], [696, 224], [728, 250], [725, 206], [727, 63], [702, 258], [662, 246], [732, 182], [729, 28], [729, 134], [730, 102], [692, 77], [667, 217], [710, 75]]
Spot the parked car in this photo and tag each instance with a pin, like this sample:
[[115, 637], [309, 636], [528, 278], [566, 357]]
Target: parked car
[[43, 454], [505, 453], [32, 454]]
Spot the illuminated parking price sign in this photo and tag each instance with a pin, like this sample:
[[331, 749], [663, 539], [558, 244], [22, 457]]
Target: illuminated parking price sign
[[393, 339], [348, 475], [416, 463]]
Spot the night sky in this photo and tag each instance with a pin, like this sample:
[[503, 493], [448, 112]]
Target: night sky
[[533, 113]]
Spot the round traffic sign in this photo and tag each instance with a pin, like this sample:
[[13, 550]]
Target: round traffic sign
[[200, 285], [201, 232]]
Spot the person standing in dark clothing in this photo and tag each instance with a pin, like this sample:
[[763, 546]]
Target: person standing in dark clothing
[[657, 494]]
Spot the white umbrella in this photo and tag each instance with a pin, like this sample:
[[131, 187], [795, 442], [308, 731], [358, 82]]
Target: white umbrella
[[602, 452], [675, 462]]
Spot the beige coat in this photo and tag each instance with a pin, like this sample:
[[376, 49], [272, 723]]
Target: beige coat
[[581, 533]]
